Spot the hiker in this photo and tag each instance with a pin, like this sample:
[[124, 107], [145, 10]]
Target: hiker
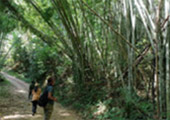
[[31, 87], [35, 97], [48, 108]]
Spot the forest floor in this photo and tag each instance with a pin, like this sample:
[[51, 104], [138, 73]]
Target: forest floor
[[18, 107]]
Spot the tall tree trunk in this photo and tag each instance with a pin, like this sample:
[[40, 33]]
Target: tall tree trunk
[[158, 63], [167, 80]]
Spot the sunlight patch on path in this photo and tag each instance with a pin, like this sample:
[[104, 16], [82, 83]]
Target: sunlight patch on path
[[64, 113], [18, 116], [21, 91]]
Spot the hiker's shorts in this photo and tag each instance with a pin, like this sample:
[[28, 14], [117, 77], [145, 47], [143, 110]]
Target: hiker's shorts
[[48, 109]]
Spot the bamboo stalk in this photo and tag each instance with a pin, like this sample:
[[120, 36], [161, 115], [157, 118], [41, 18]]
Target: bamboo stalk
[[116, 32]]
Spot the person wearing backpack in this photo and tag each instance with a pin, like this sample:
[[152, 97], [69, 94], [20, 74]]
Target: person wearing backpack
[[35, 97], [48, 108]]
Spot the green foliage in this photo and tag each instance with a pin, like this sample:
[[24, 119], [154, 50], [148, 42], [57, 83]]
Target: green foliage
[[135, 107], [20, 54], [34, 60], [49, 13], [7, 22], [126, 106], [19, 75], [94, 48], [109, 112]]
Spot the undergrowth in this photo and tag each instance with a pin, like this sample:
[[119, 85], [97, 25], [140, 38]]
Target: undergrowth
[[4, 88], [19, 76], [96, 103], [124, 106]]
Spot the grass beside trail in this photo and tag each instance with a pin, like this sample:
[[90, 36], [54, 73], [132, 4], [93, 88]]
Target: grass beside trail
[[4, 89], [19, 76]]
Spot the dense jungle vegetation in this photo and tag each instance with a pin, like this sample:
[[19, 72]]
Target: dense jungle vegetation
[[110, 58]]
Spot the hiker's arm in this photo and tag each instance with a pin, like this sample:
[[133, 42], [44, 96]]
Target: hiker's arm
[[51, 97]]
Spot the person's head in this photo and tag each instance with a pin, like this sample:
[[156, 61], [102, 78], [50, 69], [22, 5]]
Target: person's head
[[36, 87], [51, 81], [36, 84], [32, 82]]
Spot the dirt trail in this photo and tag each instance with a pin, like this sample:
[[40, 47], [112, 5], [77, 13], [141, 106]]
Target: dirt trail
[[21, 107]]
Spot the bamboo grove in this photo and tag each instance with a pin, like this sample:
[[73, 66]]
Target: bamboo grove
[[118, 47]]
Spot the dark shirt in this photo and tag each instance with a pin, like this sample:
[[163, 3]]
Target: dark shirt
[[51, 90], [31, 87]]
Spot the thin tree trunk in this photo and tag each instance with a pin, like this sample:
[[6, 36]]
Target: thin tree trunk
[[158, 41], [167, 81]]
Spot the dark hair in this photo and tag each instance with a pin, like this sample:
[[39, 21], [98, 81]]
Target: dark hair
[[36, 88], [50, 80], [33, 82]]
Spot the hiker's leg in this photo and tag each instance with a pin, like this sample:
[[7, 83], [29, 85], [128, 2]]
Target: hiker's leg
[[36, 102], [33, 107], [45, 113], [48, 109]]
